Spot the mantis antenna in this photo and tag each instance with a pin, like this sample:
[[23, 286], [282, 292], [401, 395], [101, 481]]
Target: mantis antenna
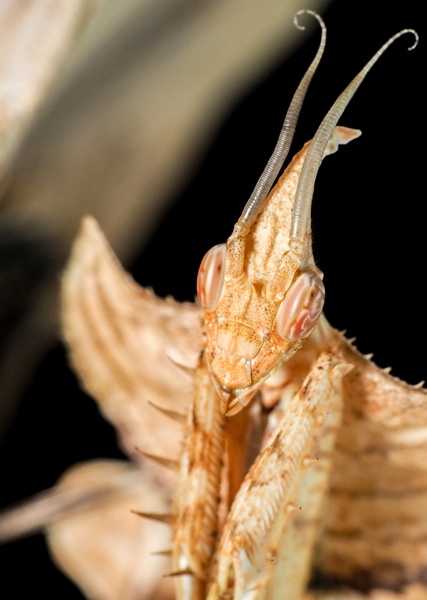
[[283, 144], [304, 193]]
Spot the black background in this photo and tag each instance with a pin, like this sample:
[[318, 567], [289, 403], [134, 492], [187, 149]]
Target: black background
[[369, 234]]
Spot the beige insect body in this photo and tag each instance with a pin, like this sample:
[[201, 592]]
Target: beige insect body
[[263, 295]]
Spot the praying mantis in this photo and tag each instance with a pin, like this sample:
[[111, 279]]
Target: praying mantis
[[239, 570], [262, 297]]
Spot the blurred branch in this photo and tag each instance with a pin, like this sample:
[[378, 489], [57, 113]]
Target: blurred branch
[[34, 37]]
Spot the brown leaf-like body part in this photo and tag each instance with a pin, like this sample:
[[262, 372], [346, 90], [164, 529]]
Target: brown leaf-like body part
[[107, 549], [414, 591], [124, 342], [376, 518]]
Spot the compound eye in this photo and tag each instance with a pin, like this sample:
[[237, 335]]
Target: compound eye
[[301, 307], [211, 276]]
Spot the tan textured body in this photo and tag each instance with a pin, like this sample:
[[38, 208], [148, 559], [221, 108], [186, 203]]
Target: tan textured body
[[197, 497]]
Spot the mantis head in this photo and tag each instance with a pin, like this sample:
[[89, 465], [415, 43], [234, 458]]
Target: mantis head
[[261, 291]]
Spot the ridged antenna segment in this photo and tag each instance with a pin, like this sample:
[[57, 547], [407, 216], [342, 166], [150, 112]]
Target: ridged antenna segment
[[283, 144], [304, 193]]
